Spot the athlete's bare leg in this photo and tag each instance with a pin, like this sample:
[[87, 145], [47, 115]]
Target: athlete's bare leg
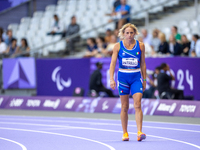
[[124, 111], [138, 110]]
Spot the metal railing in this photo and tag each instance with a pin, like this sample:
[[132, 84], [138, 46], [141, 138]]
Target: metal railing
[[37, 49]]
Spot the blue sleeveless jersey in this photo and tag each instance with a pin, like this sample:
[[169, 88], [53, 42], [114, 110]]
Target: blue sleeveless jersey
[[129, 59]]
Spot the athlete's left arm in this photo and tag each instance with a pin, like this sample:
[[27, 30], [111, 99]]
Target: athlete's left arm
[[143, 64]]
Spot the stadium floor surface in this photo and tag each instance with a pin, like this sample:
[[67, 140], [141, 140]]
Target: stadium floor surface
[[45, 130]]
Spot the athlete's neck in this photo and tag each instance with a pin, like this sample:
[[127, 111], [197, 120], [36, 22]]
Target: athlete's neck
[[129, 42]]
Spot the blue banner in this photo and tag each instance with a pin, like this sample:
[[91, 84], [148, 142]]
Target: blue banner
[[184, 69], [101, 105], [59, 77], [19, 73]]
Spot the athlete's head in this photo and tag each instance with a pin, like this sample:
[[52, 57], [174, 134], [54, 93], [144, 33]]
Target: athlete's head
[[128, 31]]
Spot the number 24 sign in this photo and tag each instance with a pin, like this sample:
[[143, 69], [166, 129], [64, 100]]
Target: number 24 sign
[[180, 76]]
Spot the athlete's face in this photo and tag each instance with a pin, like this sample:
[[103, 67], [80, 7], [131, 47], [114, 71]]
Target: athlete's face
[[129, 33]]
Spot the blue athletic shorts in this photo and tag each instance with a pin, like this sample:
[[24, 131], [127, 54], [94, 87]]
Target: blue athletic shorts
[[129, 81]]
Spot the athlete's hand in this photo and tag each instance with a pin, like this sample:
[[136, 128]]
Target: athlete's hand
[[112, 84], [144, 85]]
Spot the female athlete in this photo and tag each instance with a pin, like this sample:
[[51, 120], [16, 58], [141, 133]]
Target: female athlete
[[131, 56]]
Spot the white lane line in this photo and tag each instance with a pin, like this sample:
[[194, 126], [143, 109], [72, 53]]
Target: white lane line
[[110, 124], [21, 145], [106, 130], [42, 119], [66, 135], [175, 129], [194, 145], [54, 128]]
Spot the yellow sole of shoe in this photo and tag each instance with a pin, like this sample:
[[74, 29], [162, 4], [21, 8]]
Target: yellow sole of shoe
[[125, 139]]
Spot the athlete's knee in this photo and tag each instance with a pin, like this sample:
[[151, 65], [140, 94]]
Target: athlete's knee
[[125, 107], [137, 105]]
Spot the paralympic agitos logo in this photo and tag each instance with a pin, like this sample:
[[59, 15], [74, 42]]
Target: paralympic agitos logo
[[60, 82]]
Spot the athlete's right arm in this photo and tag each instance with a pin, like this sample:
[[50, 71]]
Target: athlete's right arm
[[113, 64]]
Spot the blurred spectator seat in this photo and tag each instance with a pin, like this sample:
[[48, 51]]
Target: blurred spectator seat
[[167, 32], [50, 8], [61, 45], [48, 40], [24, 26], [31, 33], [13, 26], [60, 11], [183, 24], [48, 14], [62, 2], [35, 21], [33, 27], [38, 14], [56, 38], [38, 42], [194, 25], [25, 20], [47, 49], [186, 30]]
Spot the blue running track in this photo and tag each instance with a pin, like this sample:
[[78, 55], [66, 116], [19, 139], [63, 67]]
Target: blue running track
[[56, 133]]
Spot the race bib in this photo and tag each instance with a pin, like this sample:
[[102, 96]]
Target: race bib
[[129, 62]]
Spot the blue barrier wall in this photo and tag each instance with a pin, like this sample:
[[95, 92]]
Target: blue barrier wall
[[61, 76], [101, 105]]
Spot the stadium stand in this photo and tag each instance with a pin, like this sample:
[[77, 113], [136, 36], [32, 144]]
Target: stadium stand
[[35, 28], [40, 23], [187, 25]]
